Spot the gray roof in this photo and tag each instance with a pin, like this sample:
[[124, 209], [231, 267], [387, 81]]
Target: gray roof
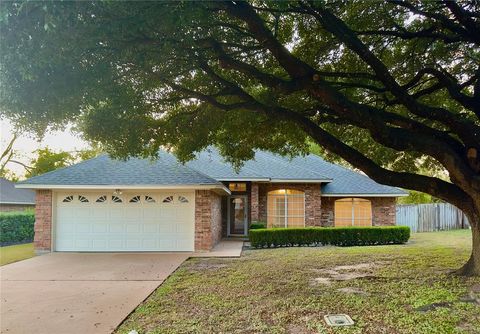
[[346, 181], [209, 167], [11, 195], [339, 180], [104, 170], [265, 166]]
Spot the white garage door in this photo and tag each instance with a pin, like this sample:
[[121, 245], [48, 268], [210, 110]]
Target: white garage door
[[133, 221]]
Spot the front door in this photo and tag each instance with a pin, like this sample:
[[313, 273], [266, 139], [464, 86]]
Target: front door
[[237, 215]]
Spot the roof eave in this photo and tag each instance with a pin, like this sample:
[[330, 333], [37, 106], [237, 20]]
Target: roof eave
[[274, 180], [217, 187], [365, 195]]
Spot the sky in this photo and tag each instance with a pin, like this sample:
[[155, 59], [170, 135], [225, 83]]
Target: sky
[[26, 144]]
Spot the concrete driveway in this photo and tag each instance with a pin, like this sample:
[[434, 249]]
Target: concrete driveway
[[79, 292]]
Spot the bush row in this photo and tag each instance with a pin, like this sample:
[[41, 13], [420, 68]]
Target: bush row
[[336, 236], [16, 227], [257, 225]]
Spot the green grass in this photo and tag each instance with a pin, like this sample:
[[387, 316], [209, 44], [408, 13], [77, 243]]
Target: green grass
[[16, 253], [386, 289]]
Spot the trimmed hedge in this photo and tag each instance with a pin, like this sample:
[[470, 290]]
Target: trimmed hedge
[[16, 227], [258, 225], [336, 236]]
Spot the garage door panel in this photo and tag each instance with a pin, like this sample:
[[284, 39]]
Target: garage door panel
[[83, 227], [134, 228], [116, 228], [100, 227], [148, 224]]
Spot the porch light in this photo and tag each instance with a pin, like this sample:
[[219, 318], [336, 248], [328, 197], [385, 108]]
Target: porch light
[[117, 192]]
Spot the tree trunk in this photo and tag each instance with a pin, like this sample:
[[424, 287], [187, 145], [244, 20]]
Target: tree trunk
[[472, 267]]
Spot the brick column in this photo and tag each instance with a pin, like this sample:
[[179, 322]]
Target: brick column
[[313, 205], [383, 211], [254, 202], [208, 220], [43, 221]]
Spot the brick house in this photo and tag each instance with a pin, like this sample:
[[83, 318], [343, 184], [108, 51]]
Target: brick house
[[141, 205]]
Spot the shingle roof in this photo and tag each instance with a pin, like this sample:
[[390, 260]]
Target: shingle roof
[[10, 195], [209, 168], [265, 166], [103, 170], [346, 181], [271, 166]]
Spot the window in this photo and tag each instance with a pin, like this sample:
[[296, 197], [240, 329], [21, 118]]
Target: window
[[168, 199], [286, 208], [82, 199], [353, 212], [239, 187], [182, 199], [149, 199], [68, 199], [116, 199], [135, 199], [101, 199]]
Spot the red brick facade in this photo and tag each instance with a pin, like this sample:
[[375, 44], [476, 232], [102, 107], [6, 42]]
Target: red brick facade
[[208, 220], [313, 200], [383, 210], [254, 205], [43, 221]]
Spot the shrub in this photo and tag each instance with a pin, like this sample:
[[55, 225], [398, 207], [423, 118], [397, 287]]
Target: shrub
[[336, 236], [258, 225], [16, 227]]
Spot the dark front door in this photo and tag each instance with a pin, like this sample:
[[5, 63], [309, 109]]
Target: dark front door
[[237, 215]]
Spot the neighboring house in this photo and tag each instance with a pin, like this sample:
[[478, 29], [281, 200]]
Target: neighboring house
[[13, 199], [142, 205]]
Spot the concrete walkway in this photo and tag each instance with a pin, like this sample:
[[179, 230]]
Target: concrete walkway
[[60, 293]]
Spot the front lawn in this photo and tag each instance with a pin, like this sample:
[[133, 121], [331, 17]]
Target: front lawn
[[385, 289], [9, 254]]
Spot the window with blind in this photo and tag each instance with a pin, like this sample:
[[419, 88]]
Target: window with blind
[[286, 208], [353, 212]]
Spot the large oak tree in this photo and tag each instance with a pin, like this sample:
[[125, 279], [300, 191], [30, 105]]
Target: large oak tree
[[391, 87]]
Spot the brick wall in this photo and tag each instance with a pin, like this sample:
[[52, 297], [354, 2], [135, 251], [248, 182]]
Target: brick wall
[[15, 207], [383, 210], [216, 209], [313, 200], [254, 205], [208, 220], [43, 221]]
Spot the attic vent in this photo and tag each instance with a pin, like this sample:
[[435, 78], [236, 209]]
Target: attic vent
[[336, 320]]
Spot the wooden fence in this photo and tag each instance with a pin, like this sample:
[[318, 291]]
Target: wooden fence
[[431, 217]]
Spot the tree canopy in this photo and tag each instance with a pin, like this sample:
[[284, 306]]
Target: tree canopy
[[391, 87]]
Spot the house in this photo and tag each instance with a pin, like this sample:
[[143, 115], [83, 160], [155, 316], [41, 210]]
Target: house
[[143, 205], [13, 199]]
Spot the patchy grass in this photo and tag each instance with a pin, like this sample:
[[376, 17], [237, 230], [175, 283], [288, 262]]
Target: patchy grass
[[16, 253], [385, 289]]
